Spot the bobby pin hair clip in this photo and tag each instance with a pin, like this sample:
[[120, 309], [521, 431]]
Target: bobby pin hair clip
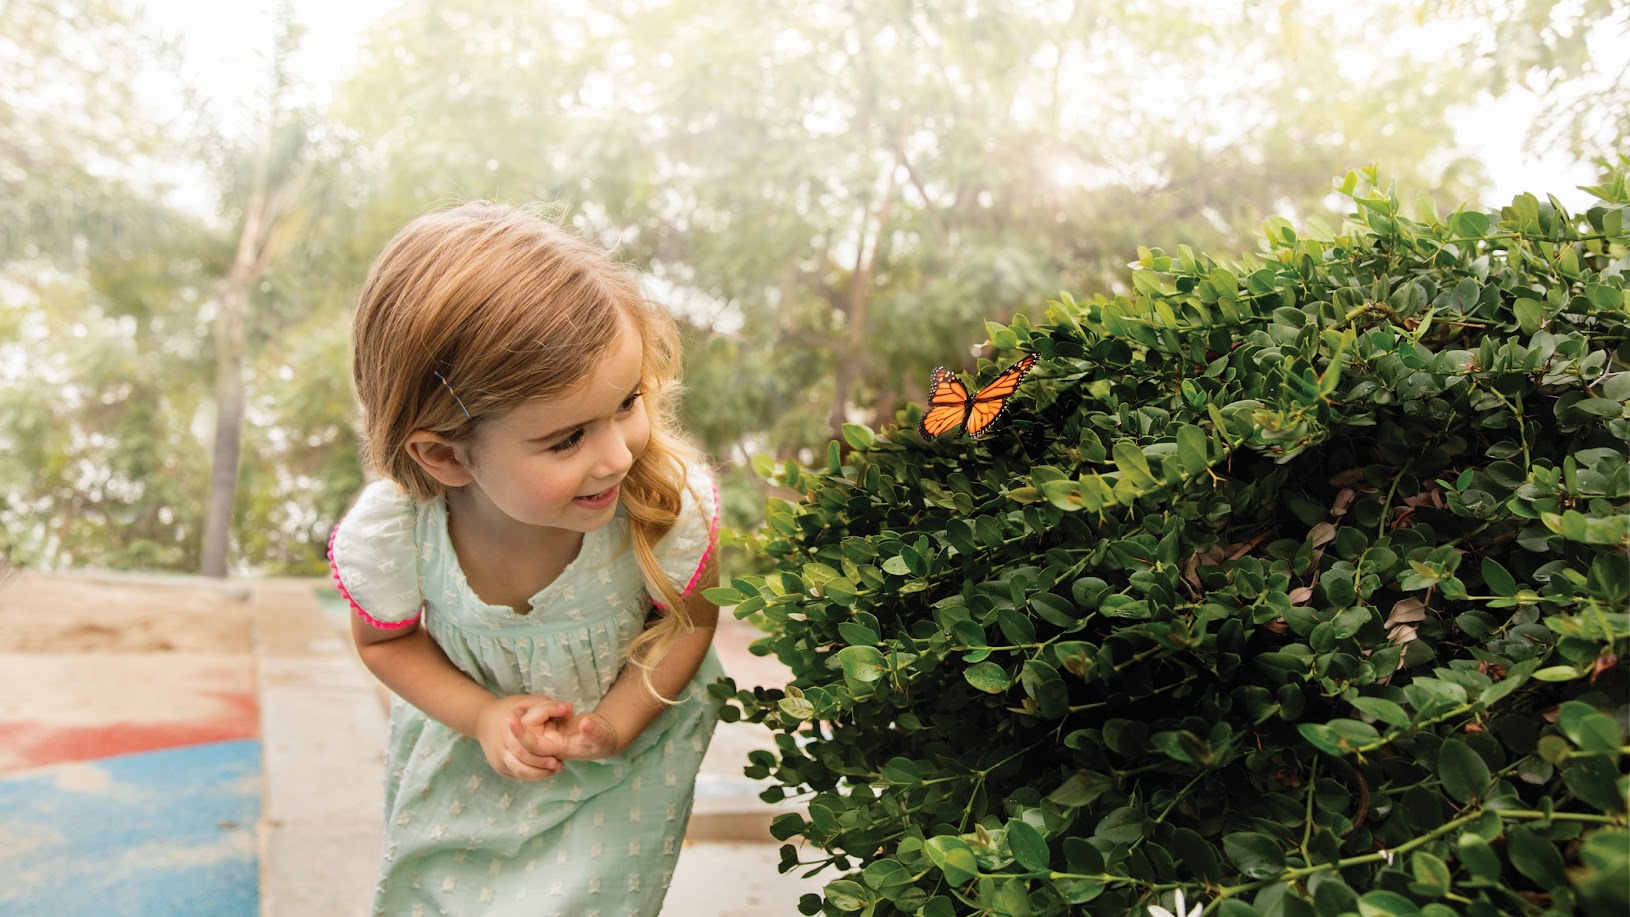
[[456, 398]]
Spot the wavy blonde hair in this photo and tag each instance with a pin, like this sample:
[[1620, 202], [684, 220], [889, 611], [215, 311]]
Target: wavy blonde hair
[[507, 306]]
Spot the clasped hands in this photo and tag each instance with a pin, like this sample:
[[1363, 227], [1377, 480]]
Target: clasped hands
[[530, 738]]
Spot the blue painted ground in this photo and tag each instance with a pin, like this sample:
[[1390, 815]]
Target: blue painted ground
[[168, 833]]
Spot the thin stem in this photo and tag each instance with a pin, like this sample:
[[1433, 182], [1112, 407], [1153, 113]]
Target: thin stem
[[1386, 506], [1307, 825]]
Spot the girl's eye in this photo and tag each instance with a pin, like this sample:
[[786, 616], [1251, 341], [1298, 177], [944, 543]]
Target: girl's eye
[[628, 403], [569, 443]]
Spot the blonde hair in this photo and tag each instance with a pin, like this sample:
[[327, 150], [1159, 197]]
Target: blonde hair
[[506, 306]]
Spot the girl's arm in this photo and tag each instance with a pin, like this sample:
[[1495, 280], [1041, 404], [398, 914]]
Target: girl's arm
[[408, 662], [629, 706]]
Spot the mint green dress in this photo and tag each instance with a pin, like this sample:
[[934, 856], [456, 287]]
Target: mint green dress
[[600, 838]]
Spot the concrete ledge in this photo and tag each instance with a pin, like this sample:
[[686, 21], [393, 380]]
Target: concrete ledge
[[323, 733]]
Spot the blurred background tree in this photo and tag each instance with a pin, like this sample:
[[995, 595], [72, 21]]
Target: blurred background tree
[[831, 196]]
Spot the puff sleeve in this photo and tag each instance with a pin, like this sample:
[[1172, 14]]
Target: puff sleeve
[[373, 553], [691, 545]]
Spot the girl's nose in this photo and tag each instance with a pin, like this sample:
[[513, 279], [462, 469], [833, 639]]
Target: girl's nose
[[615, 456]]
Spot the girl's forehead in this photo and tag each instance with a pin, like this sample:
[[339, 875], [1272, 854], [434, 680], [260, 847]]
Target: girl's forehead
[[612, 377]]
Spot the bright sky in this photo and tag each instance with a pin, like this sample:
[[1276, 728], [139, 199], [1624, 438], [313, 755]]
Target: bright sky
[[212, 36]]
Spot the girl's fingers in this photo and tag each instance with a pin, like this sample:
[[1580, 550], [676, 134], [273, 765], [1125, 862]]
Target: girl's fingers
[[523, 771], [530, 747], [540, 713]]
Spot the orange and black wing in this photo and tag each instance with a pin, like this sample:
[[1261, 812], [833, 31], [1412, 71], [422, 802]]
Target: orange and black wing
[[948, 403], [991, 401]]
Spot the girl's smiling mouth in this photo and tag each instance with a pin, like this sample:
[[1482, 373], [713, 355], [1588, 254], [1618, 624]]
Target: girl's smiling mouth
[[600, 500]]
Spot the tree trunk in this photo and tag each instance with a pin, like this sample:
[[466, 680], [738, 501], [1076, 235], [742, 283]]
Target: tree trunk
[[229, 384], [229, 409], [852, 361]]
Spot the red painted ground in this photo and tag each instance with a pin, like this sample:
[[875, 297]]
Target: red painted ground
[[38, 744], [96, 666]]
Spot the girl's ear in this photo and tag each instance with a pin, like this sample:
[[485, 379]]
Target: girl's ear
[[439, 458]]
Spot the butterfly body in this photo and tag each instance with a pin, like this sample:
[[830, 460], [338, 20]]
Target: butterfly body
[[951, 405]]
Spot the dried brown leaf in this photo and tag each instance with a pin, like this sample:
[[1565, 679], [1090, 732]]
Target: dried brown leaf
[[1407, 611], [1348, 478], [1343, 500]]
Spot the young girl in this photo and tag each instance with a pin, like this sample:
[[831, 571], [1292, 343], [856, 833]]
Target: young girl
[[527, 578]]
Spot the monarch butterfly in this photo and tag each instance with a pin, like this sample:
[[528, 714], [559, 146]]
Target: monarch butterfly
[[950, 405]]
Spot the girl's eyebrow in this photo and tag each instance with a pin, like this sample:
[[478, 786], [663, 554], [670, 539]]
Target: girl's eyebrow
[[562, 431]]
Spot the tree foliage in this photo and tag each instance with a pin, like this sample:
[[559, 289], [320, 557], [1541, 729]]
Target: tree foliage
[[1296, 582], [1545, 47], [826, 193]]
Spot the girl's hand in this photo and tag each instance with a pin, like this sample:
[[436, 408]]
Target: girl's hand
[[498, 730], [576, 738]]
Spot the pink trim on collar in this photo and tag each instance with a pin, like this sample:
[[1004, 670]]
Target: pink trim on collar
[[346, 593]]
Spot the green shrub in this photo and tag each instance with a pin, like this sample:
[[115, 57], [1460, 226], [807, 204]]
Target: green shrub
[[1295, 583]]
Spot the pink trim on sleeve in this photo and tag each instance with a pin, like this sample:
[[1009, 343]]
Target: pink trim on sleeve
[[334, 567], [701, 565]]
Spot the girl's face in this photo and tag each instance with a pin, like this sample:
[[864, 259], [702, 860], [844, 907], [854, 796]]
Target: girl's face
[[557, 462]]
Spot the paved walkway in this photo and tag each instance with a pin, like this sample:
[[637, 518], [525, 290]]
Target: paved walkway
[[181, 746]]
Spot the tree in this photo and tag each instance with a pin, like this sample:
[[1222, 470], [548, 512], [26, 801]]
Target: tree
[[1572, 55], [267, 202], [851, 185], [69, 114]]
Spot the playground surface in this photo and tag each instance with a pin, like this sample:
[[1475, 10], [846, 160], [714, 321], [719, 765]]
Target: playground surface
[[184, 746]]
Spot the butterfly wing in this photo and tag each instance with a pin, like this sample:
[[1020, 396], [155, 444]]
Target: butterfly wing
[[991, 401], [947, 403]]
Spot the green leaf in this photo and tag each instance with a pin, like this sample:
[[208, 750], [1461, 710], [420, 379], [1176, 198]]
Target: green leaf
[[1121, 826], [1384, 710], [988, 677], [953, 856], [1499, 580], [846, 895], [1193, 449], [1133, 465], [1464, 773], [901, 771], [1386, 904], [1530, 314], [886, 875], [1478, 857], [1535, 857], [722, 596], [1604, 297], [1430, 872], [1469, 224], [1016, 627], [861, 665], [1082, 789], [1599, 407], [797, 707], [1196, 854], [1255, 855], [1054, 609], [1588, 728], [1596, 781], [857, 435], [1027, 844]]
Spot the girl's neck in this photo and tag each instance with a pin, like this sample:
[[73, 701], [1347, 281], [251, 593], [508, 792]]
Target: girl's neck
[[506, 562]]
